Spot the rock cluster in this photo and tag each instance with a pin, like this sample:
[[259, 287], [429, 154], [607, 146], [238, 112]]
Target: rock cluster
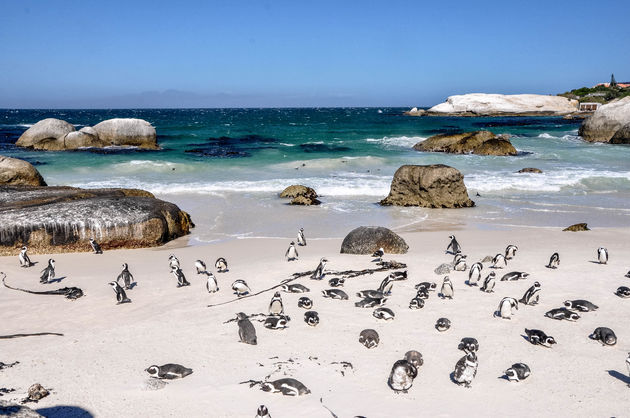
[[610, 123], [16, 172], [530, 170], [368, 239], [577, 227], [478, 142], [300, 195]]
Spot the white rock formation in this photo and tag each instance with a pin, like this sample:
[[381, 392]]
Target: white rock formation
[[482, 104], [609, 123]]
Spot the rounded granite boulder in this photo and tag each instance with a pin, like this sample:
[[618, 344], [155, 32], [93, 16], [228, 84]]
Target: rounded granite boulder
[[127, 132], [478, 142], [83, 138], [47, 134], [607, 121], [368, 239], [16, 172]]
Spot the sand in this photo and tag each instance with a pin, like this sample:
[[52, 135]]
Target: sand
[[97, 367]]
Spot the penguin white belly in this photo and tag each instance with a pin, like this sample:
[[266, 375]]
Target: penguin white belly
[[506, 310], [400, 380]]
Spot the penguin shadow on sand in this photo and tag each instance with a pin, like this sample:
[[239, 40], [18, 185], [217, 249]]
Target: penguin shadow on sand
[[63, 411], [57, 279], [621, 376]]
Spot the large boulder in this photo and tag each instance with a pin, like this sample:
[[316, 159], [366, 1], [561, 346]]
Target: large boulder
[[368, 239], [300, 195], [530, 170], [16, 172], [430, 186], [577, 227], [61, 219], [84, 137], [127, 132], [478, 142], [607, 121], [482, 104], [47, 134]]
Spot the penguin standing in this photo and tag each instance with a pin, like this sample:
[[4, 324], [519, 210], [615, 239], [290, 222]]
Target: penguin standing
[[200, 266], [246, 330], [95, 246], [179, 275], [291, 253], [125, 276], [510, 251], [459, 262], [386, 286], [499, 261], [402, 375], [532, 295], [489, 282], [554, 261], [453, 246], [211, 282], [121, 296], [173, 261], [48, 274], [506, 308], [319, 274], [263, 412], [447, 289], [602, 255], [25, 260], [275, 306], [466, 369], [474, 274], [301, 240]]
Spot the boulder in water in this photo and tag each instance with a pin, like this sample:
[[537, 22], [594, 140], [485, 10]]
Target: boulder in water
[[47, 134], [301, 195], [482, 104], [127, 132], [478, 142], [577, 227], [368, 239], [16, 172], [530, 170], [607, 121]]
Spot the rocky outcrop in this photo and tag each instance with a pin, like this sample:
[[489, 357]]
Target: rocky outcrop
[[530, 170], [16, 172], [610, 121], [481, 104], [61, 219], [9, 410], [368, 239], [58, 135], [478, 142], [577, 227], [430, 186], [300, 195]]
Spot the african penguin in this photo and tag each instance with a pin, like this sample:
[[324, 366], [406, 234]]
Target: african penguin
[[628, 274], [335, 294], [581, 305], [414, 357], [369, 338], [402, 375], [562, 313], [301, 240], [168, 371], [518, 372], [287, 386], [125, 277], [246, 330], [179, 275], [263, 412], [25, 260], [468, 345], [173, 261], [336, 282], [311, 318], [604, 335], [48, 274], [319, 274], [383, 313], [291, 253], [429, 286], [370, 302], [275, 306], [212, 285], [443, 324], [373, 294], [474, 274], [506, 308], [240, 288], [221, 265], [305, 303], [459, 262], [200, 266], [386, 286], [277, 322], [499, 261], [416, 303], [488, 283], [510, 251], [453, 245], [602, 255], [447, 289], [95, 247], [623, 292], [514, 275], [398, 275], [466, 369], [422, 293], [378, 255], [538, 337], [532, 295], [554, 261], [121, 296], [294, 288]]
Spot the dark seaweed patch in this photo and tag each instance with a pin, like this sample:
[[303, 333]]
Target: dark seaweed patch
[[232, 147], [323, 148]]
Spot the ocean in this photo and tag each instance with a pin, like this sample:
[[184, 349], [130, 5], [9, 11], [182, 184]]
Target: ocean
[[226, 167]]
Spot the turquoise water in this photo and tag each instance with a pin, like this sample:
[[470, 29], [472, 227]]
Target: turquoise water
[[226, 166]]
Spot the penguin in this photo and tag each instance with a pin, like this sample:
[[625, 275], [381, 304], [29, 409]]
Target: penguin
[[538, 337], [336, 282], [212, 285], [372, 294], [173, 261], [474, 274], [532, 295], [510, 251], [488, 283], [602, 255], [398, 275], [623, 292], [294, 288], [291, 253], [429, 286], [275, 306], [518, 372], [370, 302], [499, 261], [125, 277], [604, 335], [287, 386], [335, 294], [301, 240], [466, 369], [276, 322], [305, 303], [468, 345], [263, 412], [121, 296], [319, 274], [25, 260], [442, 324], [414, 357], [422, 293], [453, 246], [554, 261], [416, 303], [628, 274], [383, 313], [221, 265], [95, 246], [240, 288], [369, 338], [378, 255], [506, 308], [48, 274], [514, 275], [246, 330], [581, 305], [447, 289], [168, 371], [311, 318], [386, 286], [200, 266], [459, 262], [562, 313], [402, 375], [179, 275]]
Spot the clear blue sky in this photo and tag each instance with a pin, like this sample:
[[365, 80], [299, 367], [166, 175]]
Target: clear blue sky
[[104, 53]]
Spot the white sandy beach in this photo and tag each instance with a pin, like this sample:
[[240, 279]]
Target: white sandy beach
[[97, 367]]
